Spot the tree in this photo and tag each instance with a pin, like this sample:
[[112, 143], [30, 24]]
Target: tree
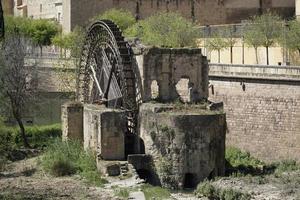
[[165, 29], [292, 38], [42, 31], [22, 24], [216, 42], [121, 17], [231, 38], [253, 38], [1, 22], [269, 27], [16, 82]]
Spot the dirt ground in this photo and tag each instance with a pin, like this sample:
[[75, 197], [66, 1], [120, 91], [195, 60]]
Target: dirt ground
[[25, 180]]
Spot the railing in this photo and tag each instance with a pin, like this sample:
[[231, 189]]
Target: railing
[[255, 71]]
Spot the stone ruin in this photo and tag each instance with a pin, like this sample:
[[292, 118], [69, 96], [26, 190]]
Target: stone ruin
[[177, 145], [174, 138]]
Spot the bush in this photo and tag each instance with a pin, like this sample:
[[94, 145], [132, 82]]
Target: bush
[[286, 166], [206, 189], [38, 136], [236, 158], [122, 193], [67, 158], [121, 17], [157, 193], [165, 30]]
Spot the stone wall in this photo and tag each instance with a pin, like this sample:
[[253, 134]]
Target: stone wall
[[167, 68], [206, 11], [262, 104], [187, 143], [72, 121], [104, 131]]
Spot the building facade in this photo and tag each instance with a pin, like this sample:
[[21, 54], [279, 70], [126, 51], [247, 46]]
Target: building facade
[[36, 9], [204, 12]]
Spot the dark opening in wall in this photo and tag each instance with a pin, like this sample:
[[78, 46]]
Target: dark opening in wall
[[190, 180], [146, 175]]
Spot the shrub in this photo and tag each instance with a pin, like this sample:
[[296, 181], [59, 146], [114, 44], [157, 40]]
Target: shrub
[[158, 193], [121, 17], [236, 158], [61, 167], [231, 194], [166, 30], [122, 193], [67, 158], [286, 166], [206, 189]]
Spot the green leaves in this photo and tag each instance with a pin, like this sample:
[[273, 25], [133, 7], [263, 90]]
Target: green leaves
[[263, 30], [40, 31], [122, 18], [166, 30]]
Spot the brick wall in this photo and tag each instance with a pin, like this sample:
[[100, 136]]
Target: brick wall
[[263, 116]]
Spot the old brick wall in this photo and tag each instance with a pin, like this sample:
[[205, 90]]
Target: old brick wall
[[263, 114], [206, 11]]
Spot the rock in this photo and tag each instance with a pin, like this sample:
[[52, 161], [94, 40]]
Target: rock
[[113, 169]]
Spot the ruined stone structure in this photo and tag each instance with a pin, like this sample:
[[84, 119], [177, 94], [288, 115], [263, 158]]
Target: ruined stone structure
[[205, 12], [187, 144], [189, 138], [262, 104], [104, 132], [165, 67]]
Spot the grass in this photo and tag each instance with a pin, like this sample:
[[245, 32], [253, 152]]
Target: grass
[[38, 136], [67, 158], [122, 193], [208, 190], [154, 192]]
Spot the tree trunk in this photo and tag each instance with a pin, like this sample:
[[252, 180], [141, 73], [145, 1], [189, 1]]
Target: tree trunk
[[231, 54], [193, 10], [267, 52], [256, 55], [22, 129], [41, 50], [219, 55]]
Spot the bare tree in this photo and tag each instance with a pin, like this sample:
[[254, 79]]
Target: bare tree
[[1, 22], [16, 80]]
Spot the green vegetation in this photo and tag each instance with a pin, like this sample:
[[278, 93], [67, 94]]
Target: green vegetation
[[216, 42], [208, 190], [72, 41], [265, 30], [122, 193], [38, 136], [165, 30], [67, 158], [292, 37], [40, 31], [157, 193], [123, 18], [238, 158]]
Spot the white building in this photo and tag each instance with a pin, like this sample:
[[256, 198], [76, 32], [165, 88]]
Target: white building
[[46, 9]]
